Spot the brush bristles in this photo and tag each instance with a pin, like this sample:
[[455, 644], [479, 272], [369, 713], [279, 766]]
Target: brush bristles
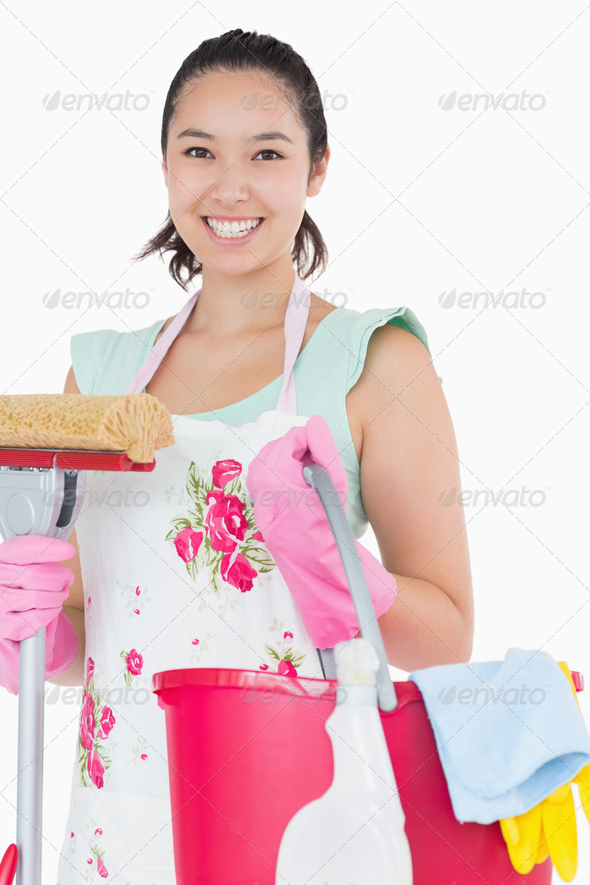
[[135, 423]]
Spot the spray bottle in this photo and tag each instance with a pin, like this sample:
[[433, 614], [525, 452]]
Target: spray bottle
[[354, 833]]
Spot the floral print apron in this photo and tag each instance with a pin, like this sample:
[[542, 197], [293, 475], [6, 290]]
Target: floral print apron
[[176, 574]]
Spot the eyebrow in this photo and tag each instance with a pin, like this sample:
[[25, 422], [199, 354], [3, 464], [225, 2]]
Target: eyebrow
[[271, 135]]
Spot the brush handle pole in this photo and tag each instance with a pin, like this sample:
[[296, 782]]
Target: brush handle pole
[[319, 479], [31, 686]]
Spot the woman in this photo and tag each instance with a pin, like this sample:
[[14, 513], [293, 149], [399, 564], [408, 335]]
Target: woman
[[187, 581]]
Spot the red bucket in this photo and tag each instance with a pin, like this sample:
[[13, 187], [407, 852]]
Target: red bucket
[[248, 749]]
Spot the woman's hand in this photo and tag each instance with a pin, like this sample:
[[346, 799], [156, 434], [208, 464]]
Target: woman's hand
[[33, 587], [295, 528]]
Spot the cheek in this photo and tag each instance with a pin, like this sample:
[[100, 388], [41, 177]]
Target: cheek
[[186, 183], [282, 193]]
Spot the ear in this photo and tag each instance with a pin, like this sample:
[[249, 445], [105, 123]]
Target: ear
[[318, 175]]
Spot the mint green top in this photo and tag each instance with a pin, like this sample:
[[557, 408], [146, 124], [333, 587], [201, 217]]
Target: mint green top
[[106, 362]]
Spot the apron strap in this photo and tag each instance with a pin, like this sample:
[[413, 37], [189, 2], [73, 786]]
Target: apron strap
[[160, 348], [295, 323]]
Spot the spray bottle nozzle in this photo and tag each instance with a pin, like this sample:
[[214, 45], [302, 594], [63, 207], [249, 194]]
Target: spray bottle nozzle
[[356, 662]]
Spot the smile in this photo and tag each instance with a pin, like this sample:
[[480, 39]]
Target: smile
[[234, 229]]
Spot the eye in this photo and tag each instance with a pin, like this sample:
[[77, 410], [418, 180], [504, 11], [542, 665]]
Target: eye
[[188, 152], [269, 151]]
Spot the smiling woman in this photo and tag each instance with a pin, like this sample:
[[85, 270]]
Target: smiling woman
[[251, 356], [243, 98]]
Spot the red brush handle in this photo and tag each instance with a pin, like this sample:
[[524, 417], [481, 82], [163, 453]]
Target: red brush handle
[[71, 460], [100, 461], [8, 865], [577, 679]]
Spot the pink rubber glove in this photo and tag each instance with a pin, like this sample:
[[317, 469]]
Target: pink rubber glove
[[297, 533], [33, 587]]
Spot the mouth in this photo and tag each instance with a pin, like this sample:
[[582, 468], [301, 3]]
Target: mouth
[[232, 230]]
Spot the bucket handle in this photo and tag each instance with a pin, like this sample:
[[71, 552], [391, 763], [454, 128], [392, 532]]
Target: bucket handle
[[319, 479]]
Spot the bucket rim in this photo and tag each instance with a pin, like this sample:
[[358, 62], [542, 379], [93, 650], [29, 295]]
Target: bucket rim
[[226, 677]]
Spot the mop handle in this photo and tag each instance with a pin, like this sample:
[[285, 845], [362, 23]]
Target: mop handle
[[31, 687], [318, 478]]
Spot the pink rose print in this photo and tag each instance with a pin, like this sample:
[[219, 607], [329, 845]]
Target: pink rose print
[[134, 662], [263, 667], [144, 755], [72, 835], [286, 668], [98, 830], [95, 724], [101, 868], [194, 642], [187, 543], [89, 600], [287, 658], [224, 471], [107, 720], [240, 574], [137, 591], [95, 769], [223, 511], [136, 611], [225, 521], [87, 721], [89, 860]]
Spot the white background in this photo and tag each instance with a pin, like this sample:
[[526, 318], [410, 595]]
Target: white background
[[419, 201]]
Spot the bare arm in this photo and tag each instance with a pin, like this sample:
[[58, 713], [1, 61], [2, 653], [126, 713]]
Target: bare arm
[[409, 456], [74, 604]]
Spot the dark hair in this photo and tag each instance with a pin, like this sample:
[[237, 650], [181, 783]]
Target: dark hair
[[239, 51]]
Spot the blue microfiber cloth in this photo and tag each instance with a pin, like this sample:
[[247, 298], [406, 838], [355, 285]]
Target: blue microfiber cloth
[[503, 756]]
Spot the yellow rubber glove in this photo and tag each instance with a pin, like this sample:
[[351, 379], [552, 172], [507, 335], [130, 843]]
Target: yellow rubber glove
[[524, 839], [583, 781], [550, 827]]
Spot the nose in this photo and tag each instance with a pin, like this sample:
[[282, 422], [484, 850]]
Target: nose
[[231, 185]]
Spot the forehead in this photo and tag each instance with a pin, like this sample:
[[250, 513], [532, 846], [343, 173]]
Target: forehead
[[236, 105]]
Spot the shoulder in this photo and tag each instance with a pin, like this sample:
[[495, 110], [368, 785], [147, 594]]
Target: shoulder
[[395, 358], [378, 334], [393, 351], [389, 353], [98, 342], [95, 351], [398, 383]]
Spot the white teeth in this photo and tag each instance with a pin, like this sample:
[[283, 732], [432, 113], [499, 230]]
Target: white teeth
[[225, 229]]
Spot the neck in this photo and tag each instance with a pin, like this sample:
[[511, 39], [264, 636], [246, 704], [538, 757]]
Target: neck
[[244, 304]]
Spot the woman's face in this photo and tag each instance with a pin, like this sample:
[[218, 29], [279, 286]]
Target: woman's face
[[218, 172]]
